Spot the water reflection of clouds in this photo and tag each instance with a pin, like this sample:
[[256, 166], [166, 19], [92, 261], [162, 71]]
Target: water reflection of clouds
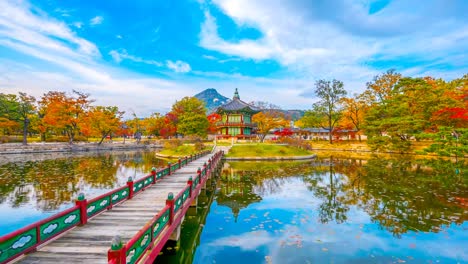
[[245, 241], [302, 237]]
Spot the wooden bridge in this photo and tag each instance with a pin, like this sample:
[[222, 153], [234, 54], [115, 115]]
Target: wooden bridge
[[119, 226]]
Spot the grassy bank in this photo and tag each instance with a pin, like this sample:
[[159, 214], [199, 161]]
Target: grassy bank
[[356, 146], [181, 151], [266, 150]]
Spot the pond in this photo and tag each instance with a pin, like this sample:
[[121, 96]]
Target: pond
[[37, 186], [330, 210]]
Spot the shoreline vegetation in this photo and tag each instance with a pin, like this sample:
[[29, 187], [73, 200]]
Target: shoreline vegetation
[[18, 148], [242, 150]]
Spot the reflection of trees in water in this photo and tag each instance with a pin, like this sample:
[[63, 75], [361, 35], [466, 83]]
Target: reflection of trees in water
[[328, 185], [403, 194], [51, 183], [399, 193], [269, 186]]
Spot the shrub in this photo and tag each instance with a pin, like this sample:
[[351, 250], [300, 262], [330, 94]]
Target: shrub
[[172, 143], [296, 142]]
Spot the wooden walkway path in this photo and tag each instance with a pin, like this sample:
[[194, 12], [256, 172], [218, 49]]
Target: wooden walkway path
[[91, 242]]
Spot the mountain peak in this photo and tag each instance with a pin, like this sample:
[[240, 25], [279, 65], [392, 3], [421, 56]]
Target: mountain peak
[[212, 98]]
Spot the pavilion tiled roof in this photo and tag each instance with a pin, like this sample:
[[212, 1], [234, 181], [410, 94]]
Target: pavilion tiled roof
[[237, 104]]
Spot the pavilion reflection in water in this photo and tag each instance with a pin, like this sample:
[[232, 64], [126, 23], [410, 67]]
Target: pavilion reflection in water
[[237, 190]]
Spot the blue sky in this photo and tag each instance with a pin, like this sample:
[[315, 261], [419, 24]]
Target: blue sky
[[144, 55]]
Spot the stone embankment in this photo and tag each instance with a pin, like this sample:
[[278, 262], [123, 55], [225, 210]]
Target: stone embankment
[[17, 148]]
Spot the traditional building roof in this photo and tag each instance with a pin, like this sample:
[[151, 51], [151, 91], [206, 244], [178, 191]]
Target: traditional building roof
[[237, 105]]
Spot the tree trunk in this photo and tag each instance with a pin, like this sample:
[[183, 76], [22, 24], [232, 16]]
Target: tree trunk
[[70, 137], [103, 137], [25, 131]]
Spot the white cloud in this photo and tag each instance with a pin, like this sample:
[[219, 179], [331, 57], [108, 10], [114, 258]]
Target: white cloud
[[78, 24], [96, 20], [209, 57], [119, 56], [35, 30], [72, 62], [246, 241], [178, 66], [336, 39]]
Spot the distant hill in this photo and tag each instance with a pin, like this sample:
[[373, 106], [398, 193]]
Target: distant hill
[[293, 114], [212, 99]]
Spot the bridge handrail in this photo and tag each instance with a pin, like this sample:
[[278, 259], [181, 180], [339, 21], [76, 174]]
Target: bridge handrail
[[138, 244], [31, 236], [170, 211], [28, 238]]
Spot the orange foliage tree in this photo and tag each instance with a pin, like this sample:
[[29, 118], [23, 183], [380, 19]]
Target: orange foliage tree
[[213, 118], [103, 121], [354, 109], [64, 113]]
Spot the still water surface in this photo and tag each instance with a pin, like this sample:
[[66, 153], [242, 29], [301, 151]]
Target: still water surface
[[377, 210], [332, 211], [37, 186]]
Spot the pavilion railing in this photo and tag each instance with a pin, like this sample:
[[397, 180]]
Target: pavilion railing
[[30, 237], [235, 124]]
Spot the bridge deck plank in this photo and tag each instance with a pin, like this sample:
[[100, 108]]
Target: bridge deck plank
[[90, 243]]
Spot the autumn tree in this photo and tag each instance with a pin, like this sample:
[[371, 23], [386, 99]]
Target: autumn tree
[[270, 117], [135, 124], [190, 115], [104, 120], [268, 120], [353, 113], [169, 129], [381, 88], [450, 120], [17, 111], [403, 115], [213, 118], [64, 113], [154, 123], [452, 110], [328, 108]]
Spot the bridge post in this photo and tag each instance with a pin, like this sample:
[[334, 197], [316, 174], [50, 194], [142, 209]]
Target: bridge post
[[153, 173], [130, 187], [190, 182], [170, 203], [180, 161], [169, 168], [82, 203], [117, 252]]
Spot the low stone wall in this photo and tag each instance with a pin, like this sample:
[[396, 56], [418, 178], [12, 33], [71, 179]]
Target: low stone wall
[[17, 148], [273, 158]]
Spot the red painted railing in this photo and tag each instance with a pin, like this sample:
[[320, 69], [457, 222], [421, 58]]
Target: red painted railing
[[149, 241], [30, 237]]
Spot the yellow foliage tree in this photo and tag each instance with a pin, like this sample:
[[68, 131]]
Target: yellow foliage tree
[[267, 121]]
